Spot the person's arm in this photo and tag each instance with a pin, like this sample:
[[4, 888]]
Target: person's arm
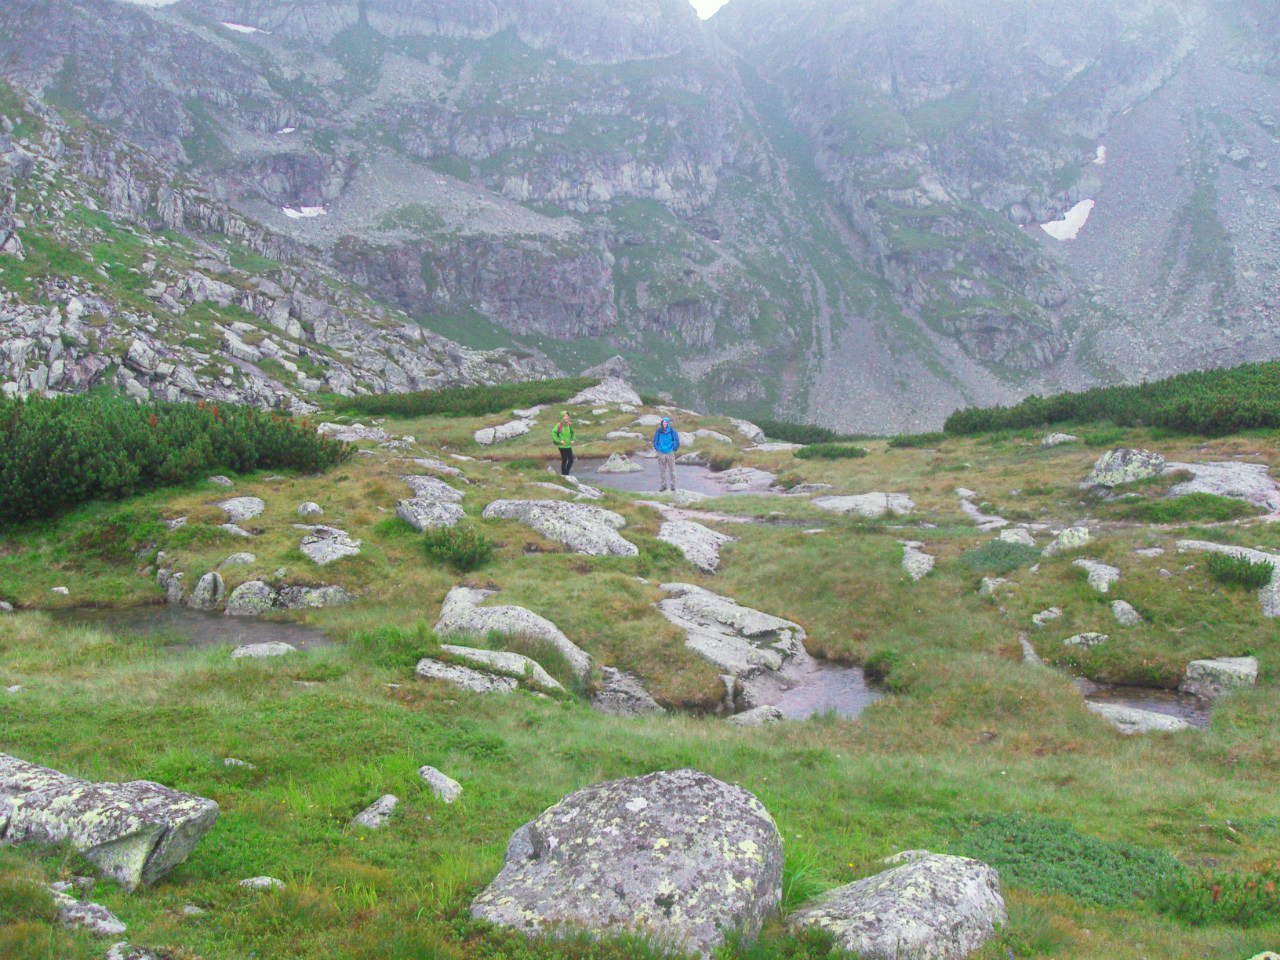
[[657, 433], [675, 439]]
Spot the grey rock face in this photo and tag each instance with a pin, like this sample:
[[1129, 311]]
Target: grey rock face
[[1216, 678], [476, 681], [1251, 482], [92, 917], [507, 664], [325, 545], [1131, 720], [915, 562], [617, 463], [424, 514], [699, 544], [241, 509], [581, 527], [737, 639], [678, 854], [1073, 538], [171, 583], [263, 651], [608, 390], [208, 593], [757, 717], [623, 695], [133, 832], [1125, 614], [1124, 465], [445, 788], [251, 599], [461, 613], [376, 815], [1101, 575], [506, 431], [934, 906], [873, 506]]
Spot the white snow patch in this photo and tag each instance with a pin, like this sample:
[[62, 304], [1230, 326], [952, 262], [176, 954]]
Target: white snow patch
[[306, 213], [240, 27], [1101, 157], [1070, 226]]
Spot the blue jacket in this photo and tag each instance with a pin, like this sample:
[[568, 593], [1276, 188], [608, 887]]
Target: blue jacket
[[666, 441]]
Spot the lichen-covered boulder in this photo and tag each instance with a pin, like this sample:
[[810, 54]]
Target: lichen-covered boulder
[[1218, 677], [133, 832], [241, 509], [251, 599], [84, 915], [208, 593], [461, 613], [933, 907], [423, 514], [678, 854], [311, 598], [581, 527], [323, 545], [1124, 465], [873, 506], [1073, 538], [699, 544], [465, 678]]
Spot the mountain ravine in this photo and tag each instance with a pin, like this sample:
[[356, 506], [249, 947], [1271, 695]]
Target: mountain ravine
[[829, 209]]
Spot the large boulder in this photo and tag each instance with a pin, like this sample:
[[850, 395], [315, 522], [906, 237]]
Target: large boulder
[[873, 506], [240, 509], [1125, 465], [678, 855], [251, 599], [1217, 678], [608, 390], [133, 832], [208, 593], [740, 641], [581, 527], [461, 613], [699, 544], [934, 907], [1131, 720], [424, 514]]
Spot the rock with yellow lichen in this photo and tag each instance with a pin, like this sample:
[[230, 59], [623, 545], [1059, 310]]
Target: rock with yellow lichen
[[677, 855]]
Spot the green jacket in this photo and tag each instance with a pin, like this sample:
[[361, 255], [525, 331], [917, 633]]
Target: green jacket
[[562, 435]]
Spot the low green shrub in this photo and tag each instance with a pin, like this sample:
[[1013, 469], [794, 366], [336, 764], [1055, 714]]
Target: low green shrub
[[1194, 507], [1240, 899], [464, 547], [476, 401], [65, 451], [805, 433], [1240, 571], [831, 451], [1049, 856], [907, 441], [999, 557], [880, 665], [719, 462]]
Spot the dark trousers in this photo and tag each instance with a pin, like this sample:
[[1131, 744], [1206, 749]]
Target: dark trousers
[[566, 460]]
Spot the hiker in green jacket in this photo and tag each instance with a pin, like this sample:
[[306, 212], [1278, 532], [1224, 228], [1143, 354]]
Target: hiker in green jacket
[[562, 437]]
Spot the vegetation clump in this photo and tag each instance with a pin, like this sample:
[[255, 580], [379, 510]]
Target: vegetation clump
[[803, 433], [831, 451], [1241, 899], [1240, 571], [65, 451], [999, 557], [1194, 507], [477, 401], [908, 441], [464, 548]]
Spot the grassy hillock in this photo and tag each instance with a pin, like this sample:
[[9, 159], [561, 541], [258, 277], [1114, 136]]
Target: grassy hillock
[[1106, 845], [1212, 403]]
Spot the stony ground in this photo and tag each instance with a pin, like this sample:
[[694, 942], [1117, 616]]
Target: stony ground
[[971, 729]]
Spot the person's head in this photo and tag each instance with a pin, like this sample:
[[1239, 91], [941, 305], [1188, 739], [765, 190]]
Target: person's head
[[666, 423], [564, 416]]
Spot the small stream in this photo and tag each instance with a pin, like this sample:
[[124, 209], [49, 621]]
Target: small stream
[[1193, 710], [808, 687], [645, 480], [194, 629]]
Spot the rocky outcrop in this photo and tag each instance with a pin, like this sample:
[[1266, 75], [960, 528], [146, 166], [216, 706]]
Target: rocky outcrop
[[678, 855], [255, 598], [507, 664], [934, 906], [699, 544], [1251, 482], [872, 506], [1219, 677], [465, 678], [132, 832], [423, 514], [1100, 575], [208, 593], [461, 614], [579, 526], [738, 640], [622, 694], [324, 545], [1124, 465], [1131, 720]]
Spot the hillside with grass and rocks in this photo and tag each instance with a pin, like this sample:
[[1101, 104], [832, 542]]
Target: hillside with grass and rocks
[[382, 682]]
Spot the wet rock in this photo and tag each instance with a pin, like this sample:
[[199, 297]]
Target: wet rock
[[1058, 439], [1216, 678], [1131, 720], [445, 789], [934, 906], [1073, 538], [262, 883], [310, 509], [1019, 535], [737, 639], [91, 917], [239, 560], [623, 695], [618, 463], [251, 599], [699, 544], [240, 509], [461, 613], [915, 562], [262, 651], [503, 432], [870, 505], [1268, 595], [748, 430], [376, 815], [476, 681], [1101, 575], [425, 514], [325, 545], [1086, 640], [208, 593], [506, 663], [581, 527], [1125, 465], [757, 717], [677, 854], [1125, 615], [132, 832]]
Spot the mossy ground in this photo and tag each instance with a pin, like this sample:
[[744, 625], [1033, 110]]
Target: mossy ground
[[970, 734]]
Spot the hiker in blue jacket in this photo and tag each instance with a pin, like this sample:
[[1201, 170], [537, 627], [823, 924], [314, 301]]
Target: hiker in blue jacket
[[666, 440]]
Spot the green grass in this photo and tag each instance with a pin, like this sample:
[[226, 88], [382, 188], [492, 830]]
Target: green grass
[[831, 451], [1191, 508], [907, 441], [1240, 571], [999, 557]]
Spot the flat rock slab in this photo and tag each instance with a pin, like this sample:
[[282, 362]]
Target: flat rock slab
[[133, 832], [240, 509], [437, 466], [432, 488], [465, 678], [984, 521], [1269, 594], [1251, 482], [1131, 720], [461, 613], [83, 915], [934, 906], [915, 562], [326, 545], [740, 641], [1101, 575], [263, 651], [505, 663], [503, 432], [1216, 678], [1125, 465], [676, 854], [700, 545], [1086, 640], [353, 433], [423, 514], [873, 506], [758, 717], [622, 694], [581, 527], [1058, 439]]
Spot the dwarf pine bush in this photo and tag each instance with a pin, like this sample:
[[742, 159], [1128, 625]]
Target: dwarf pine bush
[[465, 548], [64, 451], [476, 401], [1240, 571]]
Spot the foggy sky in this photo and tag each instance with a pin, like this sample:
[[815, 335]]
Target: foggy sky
[[706, 8]]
